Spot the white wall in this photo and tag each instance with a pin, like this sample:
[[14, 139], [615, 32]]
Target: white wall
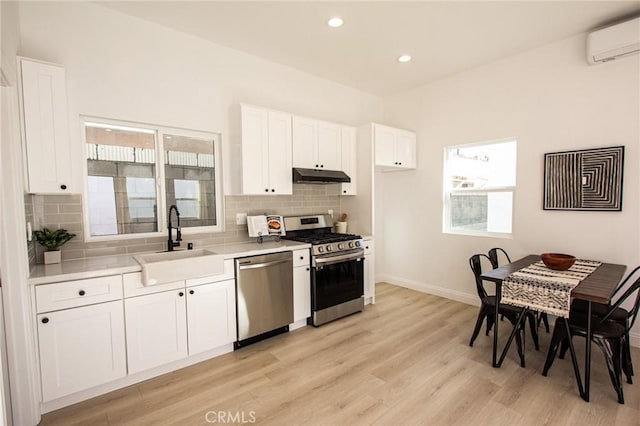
[[124, 68], [550, 100]]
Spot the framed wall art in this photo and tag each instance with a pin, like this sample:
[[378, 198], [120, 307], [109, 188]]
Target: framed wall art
[[588, 179]]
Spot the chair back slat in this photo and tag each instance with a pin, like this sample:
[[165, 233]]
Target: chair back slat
[[493, 256], [633, 288], [475, 262], [624, 282]]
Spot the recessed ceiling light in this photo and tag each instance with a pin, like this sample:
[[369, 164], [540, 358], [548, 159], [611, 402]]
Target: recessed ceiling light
[[335, 22], [404, 58]]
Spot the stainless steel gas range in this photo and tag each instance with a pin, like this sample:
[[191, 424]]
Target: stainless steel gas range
[[337, 267]]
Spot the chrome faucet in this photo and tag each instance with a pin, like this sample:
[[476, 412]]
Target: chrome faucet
[[171, 244]]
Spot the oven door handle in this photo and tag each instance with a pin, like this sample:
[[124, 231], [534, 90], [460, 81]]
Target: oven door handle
[[320, 262]]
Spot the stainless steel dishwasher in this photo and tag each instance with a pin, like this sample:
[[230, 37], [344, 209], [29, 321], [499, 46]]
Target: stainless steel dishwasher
[[264, 295]]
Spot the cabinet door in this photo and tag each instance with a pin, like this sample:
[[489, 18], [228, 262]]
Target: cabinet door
[[255, 161], [305, 151], [349, 160], [301, 293], [81, 348], [369, 272], [406, 149], [46, 127], [156, 329], [385, 142], [279, 153], [329, 146], [211, 316]]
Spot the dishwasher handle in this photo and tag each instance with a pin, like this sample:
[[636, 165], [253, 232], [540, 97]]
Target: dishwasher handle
[[248, 265]]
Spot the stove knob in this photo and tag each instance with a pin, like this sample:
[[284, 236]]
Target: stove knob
[[351, 244], [320, 249], [329, 248], [340, 246], [357, 243]]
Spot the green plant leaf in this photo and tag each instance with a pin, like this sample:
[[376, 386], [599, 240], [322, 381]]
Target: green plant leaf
[[52, 240]]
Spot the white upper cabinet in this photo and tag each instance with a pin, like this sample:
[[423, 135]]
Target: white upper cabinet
[[317, 144], [349, 160], [266, 151], [395, 149], [46, 128]]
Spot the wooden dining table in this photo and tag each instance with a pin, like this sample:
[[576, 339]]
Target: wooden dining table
[[598, 287]]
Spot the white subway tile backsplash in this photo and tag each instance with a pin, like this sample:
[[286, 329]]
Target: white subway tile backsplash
[[65, 211]]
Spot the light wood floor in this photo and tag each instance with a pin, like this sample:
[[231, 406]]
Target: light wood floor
[[404, 361]]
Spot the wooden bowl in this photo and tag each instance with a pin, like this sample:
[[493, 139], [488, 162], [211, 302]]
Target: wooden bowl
[[558, 261]]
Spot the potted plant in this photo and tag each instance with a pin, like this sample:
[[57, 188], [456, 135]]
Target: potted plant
[[52, 241]]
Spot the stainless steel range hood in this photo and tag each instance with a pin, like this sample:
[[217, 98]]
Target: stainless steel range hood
[[319, 176]]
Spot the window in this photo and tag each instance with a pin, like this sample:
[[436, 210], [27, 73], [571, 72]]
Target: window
[[479, 183], [128, 193]]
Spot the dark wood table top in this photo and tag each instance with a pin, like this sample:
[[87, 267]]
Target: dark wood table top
[[597, 287]]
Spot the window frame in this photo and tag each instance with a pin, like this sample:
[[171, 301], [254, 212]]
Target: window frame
[[448, 191], [159, 133]]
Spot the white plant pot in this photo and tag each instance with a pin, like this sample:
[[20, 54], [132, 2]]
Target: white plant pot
[[51, 257]]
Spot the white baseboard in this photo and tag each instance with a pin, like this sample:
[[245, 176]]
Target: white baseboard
[[456, 295], [459, 296]]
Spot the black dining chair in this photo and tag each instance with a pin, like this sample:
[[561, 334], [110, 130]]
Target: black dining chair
[[619, 314], [608, 334], [487, 308], [495, 254]]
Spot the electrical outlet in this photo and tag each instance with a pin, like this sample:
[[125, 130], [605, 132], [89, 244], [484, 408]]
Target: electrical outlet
[[241, 218], [330, 212]]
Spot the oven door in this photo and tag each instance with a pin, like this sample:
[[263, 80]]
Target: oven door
[[336, 281]]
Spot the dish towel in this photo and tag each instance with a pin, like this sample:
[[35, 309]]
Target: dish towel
[[543, 289]]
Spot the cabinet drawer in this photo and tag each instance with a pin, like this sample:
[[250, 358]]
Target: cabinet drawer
[[301, 258], [369, 247], [133, 285], [70, 294]]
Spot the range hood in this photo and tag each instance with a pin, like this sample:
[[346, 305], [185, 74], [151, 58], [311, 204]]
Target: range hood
[[319, 176]]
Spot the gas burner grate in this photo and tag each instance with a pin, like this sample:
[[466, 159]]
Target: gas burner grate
[[324, 238]]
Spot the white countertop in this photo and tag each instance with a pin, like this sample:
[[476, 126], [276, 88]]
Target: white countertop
[[110, 265]]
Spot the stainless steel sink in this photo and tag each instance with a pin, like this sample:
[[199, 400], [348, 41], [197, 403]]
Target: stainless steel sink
[[159, 268]]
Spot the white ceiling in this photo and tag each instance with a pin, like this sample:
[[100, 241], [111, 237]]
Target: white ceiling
[[444, 38]]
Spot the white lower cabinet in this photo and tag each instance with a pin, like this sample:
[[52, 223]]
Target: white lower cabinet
[[301, 285], [178, 321], [301, 293], [156, 329], [369, 272], [81, 348], [211, 316]]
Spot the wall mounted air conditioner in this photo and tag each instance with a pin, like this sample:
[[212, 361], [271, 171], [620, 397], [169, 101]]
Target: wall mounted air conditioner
[[614, 42]]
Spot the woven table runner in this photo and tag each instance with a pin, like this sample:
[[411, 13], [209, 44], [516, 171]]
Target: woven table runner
[[543, 289]]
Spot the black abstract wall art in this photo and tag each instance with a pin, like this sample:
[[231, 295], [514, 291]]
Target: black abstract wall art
[[589, 179]]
